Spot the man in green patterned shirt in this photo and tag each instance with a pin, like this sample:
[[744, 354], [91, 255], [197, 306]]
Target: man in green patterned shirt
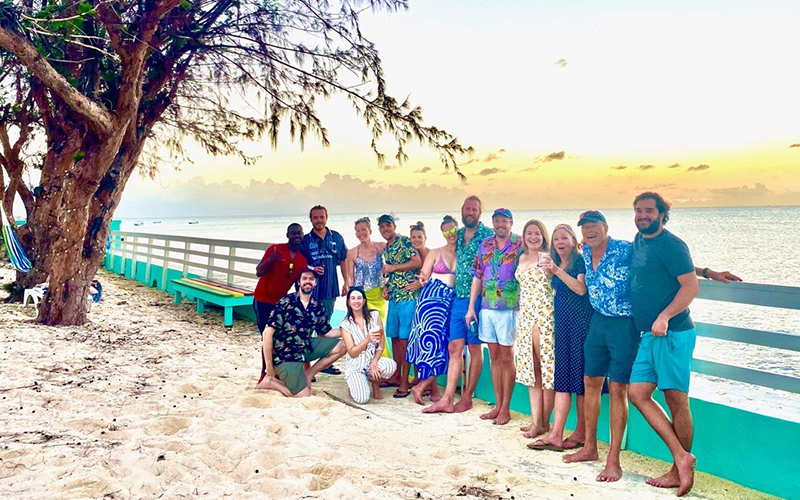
[[402, 262], [470, 238]]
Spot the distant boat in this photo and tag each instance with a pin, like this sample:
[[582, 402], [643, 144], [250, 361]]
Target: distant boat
[[395, 217], [138, 223], [157, 222], [193, 222]]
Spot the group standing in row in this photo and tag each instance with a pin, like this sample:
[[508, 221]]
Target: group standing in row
[[560, 316]]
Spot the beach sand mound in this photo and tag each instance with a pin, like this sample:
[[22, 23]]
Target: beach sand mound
[[151, 400]]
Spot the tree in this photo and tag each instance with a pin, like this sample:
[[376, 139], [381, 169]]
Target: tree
[[111, 83]]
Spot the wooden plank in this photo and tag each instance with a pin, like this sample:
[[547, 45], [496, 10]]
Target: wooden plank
[[195, 286], [200, 284], [746, 375], [748, 336], [225, 286], [787, 297]]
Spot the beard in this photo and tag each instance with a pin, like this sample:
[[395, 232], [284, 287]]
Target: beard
[[469, 225], [651, 229], [306, 290]]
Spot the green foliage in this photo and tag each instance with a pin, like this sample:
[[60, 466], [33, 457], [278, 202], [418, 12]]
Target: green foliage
[[78, 156]]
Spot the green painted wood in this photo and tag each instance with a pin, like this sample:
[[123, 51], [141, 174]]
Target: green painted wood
[[747, 336], [786, 297]]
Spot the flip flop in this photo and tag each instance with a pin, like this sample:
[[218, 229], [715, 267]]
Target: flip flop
[[574, 445], [398, 394], [332, 370], [542, 446]]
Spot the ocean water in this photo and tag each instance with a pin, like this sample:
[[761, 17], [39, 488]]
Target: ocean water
[[758, 244]]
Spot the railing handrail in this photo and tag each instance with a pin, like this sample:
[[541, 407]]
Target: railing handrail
[[250, 245]]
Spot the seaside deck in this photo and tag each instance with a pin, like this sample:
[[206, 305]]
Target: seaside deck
[[726, 426]]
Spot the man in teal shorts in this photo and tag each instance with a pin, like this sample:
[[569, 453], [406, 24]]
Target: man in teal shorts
[[288, 342], [663, 284]]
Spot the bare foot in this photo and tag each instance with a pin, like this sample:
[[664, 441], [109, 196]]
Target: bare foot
[[686, 473], [444, 405], [463, 405], [525, 428], [435, 394], [274, 384], [612, 472], [574, 441], [584, 455], [376, 391], [532, 433], [502, 418], [669, 480], [491, 415], [555, 441], [417, 392]]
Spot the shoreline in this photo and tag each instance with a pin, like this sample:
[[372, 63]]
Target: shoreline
[[151, 399]]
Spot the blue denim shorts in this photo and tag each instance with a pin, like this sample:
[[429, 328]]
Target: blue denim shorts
[[399, 319], [665, 361]]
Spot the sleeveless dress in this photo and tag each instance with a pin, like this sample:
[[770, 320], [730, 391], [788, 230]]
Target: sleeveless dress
[[535, 308], [369, 275], [427, 344], [573, 313]]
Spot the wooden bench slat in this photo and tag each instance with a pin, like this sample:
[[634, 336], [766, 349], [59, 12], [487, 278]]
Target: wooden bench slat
[[224, 286], [197, 284]]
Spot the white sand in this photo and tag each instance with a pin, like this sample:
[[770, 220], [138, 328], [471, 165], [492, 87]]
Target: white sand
[[150, 400]]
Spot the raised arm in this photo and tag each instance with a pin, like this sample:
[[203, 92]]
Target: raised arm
[[353, 349], [269, 259]]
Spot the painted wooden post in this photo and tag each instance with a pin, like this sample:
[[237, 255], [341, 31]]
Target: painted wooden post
[[209, 272], [165, 266], [149, 261], [231, 263], [133, 257], [186, 247]]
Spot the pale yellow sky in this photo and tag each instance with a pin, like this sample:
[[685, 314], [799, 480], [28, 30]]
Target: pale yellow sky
[[641, 85]]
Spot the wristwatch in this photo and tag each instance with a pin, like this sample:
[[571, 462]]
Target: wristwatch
[[705, 273]]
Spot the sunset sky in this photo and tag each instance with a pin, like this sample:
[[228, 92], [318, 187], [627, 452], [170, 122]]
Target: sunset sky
[[568, 104]]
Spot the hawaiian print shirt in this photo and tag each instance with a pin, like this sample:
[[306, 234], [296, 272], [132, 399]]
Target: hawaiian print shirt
[[294, 324], [610, 285], [399, 252], [465, 258], [496, 270]]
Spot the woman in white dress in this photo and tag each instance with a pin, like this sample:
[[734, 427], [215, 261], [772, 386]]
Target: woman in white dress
[[362, 334]]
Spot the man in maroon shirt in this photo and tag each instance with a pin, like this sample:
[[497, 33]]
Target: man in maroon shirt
[[277, 272]]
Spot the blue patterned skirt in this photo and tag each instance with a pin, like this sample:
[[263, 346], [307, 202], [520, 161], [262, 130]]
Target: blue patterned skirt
[[427, 345]]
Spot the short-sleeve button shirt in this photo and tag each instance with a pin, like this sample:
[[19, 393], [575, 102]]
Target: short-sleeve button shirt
[[400, 251], [495, 268], [294, 325], [610, 284], [327, 252], [465, 258]]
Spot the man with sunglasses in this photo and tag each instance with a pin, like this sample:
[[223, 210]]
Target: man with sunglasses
[[278, 270]]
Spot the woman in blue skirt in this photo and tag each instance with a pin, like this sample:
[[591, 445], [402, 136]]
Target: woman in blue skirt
[[427, 345]]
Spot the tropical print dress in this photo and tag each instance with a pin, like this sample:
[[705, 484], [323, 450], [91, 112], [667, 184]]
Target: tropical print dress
[[535, 308]]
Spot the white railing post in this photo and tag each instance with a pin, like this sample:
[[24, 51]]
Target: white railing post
[[133, 257], [149, 261], [211, 250], [165, 266], [186, 247], [231, 263]]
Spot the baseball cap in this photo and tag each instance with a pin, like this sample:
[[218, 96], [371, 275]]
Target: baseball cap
[[385, 218], [504, 212], [591, 216]]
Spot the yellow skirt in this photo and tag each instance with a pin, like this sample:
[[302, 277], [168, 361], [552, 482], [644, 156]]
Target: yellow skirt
[[376, 301]]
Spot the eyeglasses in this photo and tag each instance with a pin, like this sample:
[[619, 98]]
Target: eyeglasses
[[450, 232], [291, 269]]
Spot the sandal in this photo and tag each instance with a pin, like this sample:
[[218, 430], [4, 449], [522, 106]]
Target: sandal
[[332, 370], [398, 394]]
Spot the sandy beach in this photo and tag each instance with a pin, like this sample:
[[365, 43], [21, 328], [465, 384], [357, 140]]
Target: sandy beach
[[151, 400]]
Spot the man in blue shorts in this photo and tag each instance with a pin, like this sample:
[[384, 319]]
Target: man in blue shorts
[[612, 341], [401, 263], [469, 239], [663, 284], [495, 286]]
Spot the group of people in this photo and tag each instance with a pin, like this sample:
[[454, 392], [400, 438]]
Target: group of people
[[560, 315]]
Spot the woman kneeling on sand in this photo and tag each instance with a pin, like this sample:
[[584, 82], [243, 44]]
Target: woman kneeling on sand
[[362, 333]]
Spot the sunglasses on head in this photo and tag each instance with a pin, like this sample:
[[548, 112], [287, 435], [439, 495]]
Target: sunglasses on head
[[362, 219], [356, 288]]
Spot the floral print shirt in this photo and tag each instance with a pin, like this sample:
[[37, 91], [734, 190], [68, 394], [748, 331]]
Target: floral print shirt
[[495, 268], [465, 258], [610, 285], [399, 252], [294, 324]]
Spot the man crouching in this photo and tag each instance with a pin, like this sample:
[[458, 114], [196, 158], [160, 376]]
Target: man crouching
[[288, 341]]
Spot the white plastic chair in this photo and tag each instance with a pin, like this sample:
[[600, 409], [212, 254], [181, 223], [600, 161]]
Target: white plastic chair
[[34, 294]]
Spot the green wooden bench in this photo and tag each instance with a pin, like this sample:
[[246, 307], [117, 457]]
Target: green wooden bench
[[221, 294]]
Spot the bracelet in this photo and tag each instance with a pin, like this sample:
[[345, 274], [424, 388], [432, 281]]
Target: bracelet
[[705, 273]]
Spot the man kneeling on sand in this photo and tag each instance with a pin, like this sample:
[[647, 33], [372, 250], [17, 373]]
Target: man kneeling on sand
[[288, 341]]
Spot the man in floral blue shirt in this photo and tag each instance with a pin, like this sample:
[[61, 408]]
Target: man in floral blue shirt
[[288, 343], [612, 341]]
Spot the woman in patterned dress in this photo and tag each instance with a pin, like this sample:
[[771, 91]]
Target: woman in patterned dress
[[427, 345], [535, 328]]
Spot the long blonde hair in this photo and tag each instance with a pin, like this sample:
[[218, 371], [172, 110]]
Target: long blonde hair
[[576, 250]]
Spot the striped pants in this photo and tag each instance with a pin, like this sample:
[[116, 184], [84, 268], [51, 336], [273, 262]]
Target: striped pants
[[358, 380]]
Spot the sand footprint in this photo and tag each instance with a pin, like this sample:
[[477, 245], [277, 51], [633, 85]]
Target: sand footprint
[[324, 476], [455, 471]]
